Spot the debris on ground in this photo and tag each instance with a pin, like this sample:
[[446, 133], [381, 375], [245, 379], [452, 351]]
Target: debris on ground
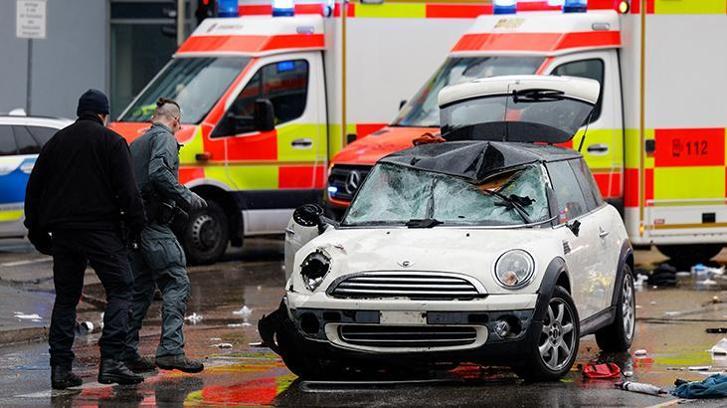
[[640, 353], [714, 386], [35, 317], [215, 338], [244, 312], [719, 353], [84, 328], [194, 318], [608, 370], [642, 388], [222, 345], [663, 275], [640, 280], [234, 325]]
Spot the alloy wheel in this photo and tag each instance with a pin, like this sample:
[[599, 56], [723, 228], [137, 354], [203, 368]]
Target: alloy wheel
[[558, 337], [627, 307]]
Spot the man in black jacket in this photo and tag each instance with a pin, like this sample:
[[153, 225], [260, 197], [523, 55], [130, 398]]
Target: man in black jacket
[[80, 193]]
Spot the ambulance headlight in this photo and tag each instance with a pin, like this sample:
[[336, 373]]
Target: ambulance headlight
[[514, 269], [314, 268]]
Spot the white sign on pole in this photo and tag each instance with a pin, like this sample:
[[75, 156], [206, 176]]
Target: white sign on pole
[[30, 19]]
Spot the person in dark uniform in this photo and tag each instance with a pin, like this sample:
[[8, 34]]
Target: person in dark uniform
[[80, 196], [160, 259]]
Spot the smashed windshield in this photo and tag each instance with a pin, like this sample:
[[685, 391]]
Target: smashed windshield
[[397, 195], [195, 83], [423, 109], [526, 116]]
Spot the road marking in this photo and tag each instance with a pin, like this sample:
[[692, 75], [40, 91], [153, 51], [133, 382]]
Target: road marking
[[27, 262]]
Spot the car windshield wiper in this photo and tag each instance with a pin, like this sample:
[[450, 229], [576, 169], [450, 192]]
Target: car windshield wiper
[[514, 202], [423, 223], [371, 223]]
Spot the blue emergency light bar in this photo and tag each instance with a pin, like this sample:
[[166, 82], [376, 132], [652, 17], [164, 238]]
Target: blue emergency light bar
[[227, 8], [504, 7], [575, 6], [283, 8]]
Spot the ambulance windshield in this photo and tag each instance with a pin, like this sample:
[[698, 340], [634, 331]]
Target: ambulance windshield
[[195, 83], [423, 109]]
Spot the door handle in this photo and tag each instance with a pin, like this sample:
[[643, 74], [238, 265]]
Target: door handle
[[597, 149], [304, 143], [602, 233]]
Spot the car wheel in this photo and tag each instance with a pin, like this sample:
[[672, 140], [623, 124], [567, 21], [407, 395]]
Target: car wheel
[[557, 338], [620, 334], [685, 256], [206, 234]]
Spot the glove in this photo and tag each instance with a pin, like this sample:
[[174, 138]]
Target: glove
[[197, 202], [42, 241]]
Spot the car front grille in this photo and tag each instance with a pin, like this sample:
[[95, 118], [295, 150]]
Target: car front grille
[[412, 285], [407, 336], [343, 181]]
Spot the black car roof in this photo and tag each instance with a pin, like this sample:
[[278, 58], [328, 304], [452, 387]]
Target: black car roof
[[476, 160]]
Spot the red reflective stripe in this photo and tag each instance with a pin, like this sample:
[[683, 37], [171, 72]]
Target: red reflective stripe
[[187, 174], [350, 12], [255, 9], [631, 188], [609, 184], [250, 43], [301, 176], [457, 10], [536, 6], [648, 185], [365, 129], [541, 42], [689, 147], [254, 146], [605, 4]]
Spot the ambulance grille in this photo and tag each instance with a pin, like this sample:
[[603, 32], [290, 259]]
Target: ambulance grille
[[346, 180], [407, 336], [416, 286]]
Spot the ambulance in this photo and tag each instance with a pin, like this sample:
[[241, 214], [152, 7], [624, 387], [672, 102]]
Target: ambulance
[[269, 95], [656, 141]]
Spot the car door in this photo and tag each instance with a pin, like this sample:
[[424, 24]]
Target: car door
[[12, 184]]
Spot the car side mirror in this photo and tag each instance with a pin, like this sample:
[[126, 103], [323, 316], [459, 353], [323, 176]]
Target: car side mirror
[[308, 215], [264, 115], [574, 226]]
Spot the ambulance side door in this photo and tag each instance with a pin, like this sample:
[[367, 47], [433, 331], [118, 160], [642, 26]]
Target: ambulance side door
[[603, 148], [275, 171]]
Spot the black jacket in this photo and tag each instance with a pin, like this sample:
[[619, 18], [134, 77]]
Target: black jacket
[[83, 180]]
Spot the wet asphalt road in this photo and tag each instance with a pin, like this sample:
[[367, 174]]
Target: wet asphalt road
[[671, 328]]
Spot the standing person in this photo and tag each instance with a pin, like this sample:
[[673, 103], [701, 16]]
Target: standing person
[[80, 193], [160, 259]]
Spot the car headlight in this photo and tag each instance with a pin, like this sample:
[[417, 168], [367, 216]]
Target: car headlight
[[314, 268], [514, 269]]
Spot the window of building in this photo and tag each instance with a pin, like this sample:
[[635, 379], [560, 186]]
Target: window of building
[[591, 69], [571, 201]]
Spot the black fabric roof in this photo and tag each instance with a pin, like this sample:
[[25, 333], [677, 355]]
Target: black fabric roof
[[476, 160]]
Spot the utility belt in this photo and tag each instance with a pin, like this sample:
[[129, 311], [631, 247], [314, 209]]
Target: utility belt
[[164, 213]]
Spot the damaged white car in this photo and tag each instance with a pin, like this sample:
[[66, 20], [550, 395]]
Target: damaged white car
[[493, 247]]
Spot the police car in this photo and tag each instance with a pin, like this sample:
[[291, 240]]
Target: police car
[[21, 138], [492, 247]]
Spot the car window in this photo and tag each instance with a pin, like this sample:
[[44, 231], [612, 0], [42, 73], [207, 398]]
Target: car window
[[591, 69], [284, 83], [587, 183], [42, 134], [7, 141], [571, 202], [26, 143]]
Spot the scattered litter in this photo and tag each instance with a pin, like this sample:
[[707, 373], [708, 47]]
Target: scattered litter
[[84, 328], [640, 353], [194, 318], [215, 338], [653, 302], [609, 370], [719, 352], [716, 299], [259, 288], [639, 306], [234, 325], [663, 275], [640, 280], [683, 274], [702, 270], [245, 312], [35, 317], [671, 313], [699, 368], [257, 344], [714, 386], [708, 282], [245, 324], [675, 368], [641, 388], [223, 345]]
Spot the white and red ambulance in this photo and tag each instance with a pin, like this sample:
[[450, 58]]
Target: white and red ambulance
[[656, 143]]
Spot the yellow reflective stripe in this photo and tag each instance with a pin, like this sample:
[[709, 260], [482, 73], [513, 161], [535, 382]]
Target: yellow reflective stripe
[[10, 215], [671, 183], [612, 138], [391, 10], [690, 7], [335, 140], [633, 148], [191, 148], [245, 176], [315, 133]]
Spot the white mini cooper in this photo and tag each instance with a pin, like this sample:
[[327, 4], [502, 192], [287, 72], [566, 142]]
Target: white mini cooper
[[493, 247]]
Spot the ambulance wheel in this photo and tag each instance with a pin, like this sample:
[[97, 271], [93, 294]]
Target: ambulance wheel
[[683, 257], [619, 335], [206, 235]]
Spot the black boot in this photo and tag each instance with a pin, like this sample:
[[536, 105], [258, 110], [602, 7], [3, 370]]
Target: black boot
[[140, 364], [112, 371], [179, 362], [62, 378]]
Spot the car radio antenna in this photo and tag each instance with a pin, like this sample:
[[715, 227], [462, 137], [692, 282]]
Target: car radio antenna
[[585, 131]]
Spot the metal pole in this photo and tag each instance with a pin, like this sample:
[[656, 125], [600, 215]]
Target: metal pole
[[180, 21], [29, 83]]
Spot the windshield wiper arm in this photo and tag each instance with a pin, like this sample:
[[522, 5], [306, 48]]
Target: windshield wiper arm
[[514, 202], [423, 223]]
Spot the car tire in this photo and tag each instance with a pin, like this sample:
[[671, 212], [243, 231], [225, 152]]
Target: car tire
[[619, 335], [206, 235], [684, 256], [554, 348]]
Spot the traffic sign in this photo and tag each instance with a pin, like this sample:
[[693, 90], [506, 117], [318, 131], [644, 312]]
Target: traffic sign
[[31, 19]]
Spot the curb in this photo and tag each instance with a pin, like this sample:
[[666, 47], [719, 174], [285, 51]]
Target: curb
[[24, 335]]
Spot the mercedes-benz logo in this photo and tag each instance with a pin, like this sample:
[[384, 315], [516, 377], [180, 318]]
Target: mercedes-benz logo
[[352, 182]]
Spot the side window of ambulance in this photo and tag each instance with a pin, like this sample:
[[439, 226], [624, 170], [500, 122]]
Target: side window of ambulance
[[26, 143], [587, 183], [571, 202], [7, 141], [591, 69]]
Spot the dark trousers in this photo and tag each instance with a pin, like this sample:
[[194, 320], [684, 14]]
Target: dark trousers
[[105, 251]]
